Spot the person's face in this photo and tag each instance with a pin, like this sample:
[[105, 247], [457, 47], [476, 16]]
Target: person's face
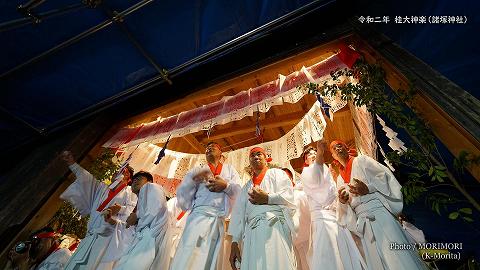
[[258, 160], [310, 157], [339, 151], [213, 150], [137, 183]]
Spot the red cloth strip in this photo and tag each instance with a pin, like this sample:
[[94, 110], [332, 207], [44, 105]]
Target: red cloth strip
[[111, 195], [181, 215], [257, 180], [216, 171]]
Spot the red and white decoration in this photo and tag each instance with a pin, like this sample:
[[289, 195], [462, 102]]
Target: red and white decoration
[[233, 108]]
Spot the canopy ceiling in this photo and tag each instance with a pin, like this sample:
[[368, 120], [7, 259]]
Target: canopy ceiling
[[111, 59]]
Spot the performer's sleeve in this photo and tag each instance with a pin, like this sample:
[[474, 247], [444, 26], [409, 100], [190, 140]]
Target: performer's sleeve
[[129, 205], [380, 179], [61, 259], [301, 218], [283, 192], [154, 203], [318, 183], [346, 217], [82, 193], [236, 227], [233, 187], [186, 191]]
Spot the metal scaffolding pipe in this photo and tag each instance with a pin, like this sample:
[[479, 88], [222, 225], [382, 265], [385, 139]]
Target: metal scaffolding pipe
[[77, 38], [13, 24], [137, 45]]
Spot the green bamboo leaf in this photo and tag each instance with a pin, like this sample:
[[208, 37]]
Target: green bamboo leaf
[[430, 171], [466, 210], [441, 174], [453, 215], [468, 219]]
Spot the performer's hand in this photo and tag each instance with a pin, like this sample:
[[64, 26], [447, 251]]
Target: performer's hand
[[132, 219], [343, 195], [115, 208], [321, 145], [217, 184], [258, 196], [107, 216], [202, 176], [358, 188], [67, 157], [235, 255]]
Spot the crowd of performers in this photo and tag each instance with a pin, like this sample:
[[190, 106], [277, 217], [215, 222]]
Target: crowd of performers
[[341, 216]]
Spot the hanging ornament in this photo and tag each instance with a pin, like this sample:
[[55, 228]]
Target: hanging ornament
[[161, 154], [325, 107], [258, 131], [395, 143]]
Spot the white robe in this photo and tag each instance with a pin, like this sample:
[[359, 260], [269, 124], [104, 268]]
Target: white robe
[[150, 248], [55, 261], [301, 221], [332, 246], [414, 234], [373, 217], [176, 226], [102, 245], [266, 230], [202, 238]]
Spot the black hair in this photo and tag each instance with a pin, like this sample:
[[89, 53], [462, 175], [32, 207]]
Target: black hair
[[34, 249], [212, 142], [144, 174], [307, 150]]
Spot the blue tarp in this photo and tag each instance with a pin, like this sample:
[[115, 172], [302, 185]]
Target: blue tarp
[[106, 63]]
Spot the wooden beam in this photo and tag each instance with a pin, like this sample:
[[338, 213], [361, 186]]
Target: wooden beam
[[194, 143], [273, 122], [268, 123]]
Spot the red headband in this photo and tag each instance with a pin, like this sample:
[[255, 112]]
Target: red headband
[[261, 150], [216, 144], [44, 235]]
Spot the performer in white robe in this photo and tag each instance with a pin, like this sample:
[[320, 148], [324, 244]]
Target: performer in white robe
[[368, 206], [332, 246], [55, 261], [46, 251], [208, 192], [262, 218], [150, 248], [301, 222], [177, 219], [102, 245]]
